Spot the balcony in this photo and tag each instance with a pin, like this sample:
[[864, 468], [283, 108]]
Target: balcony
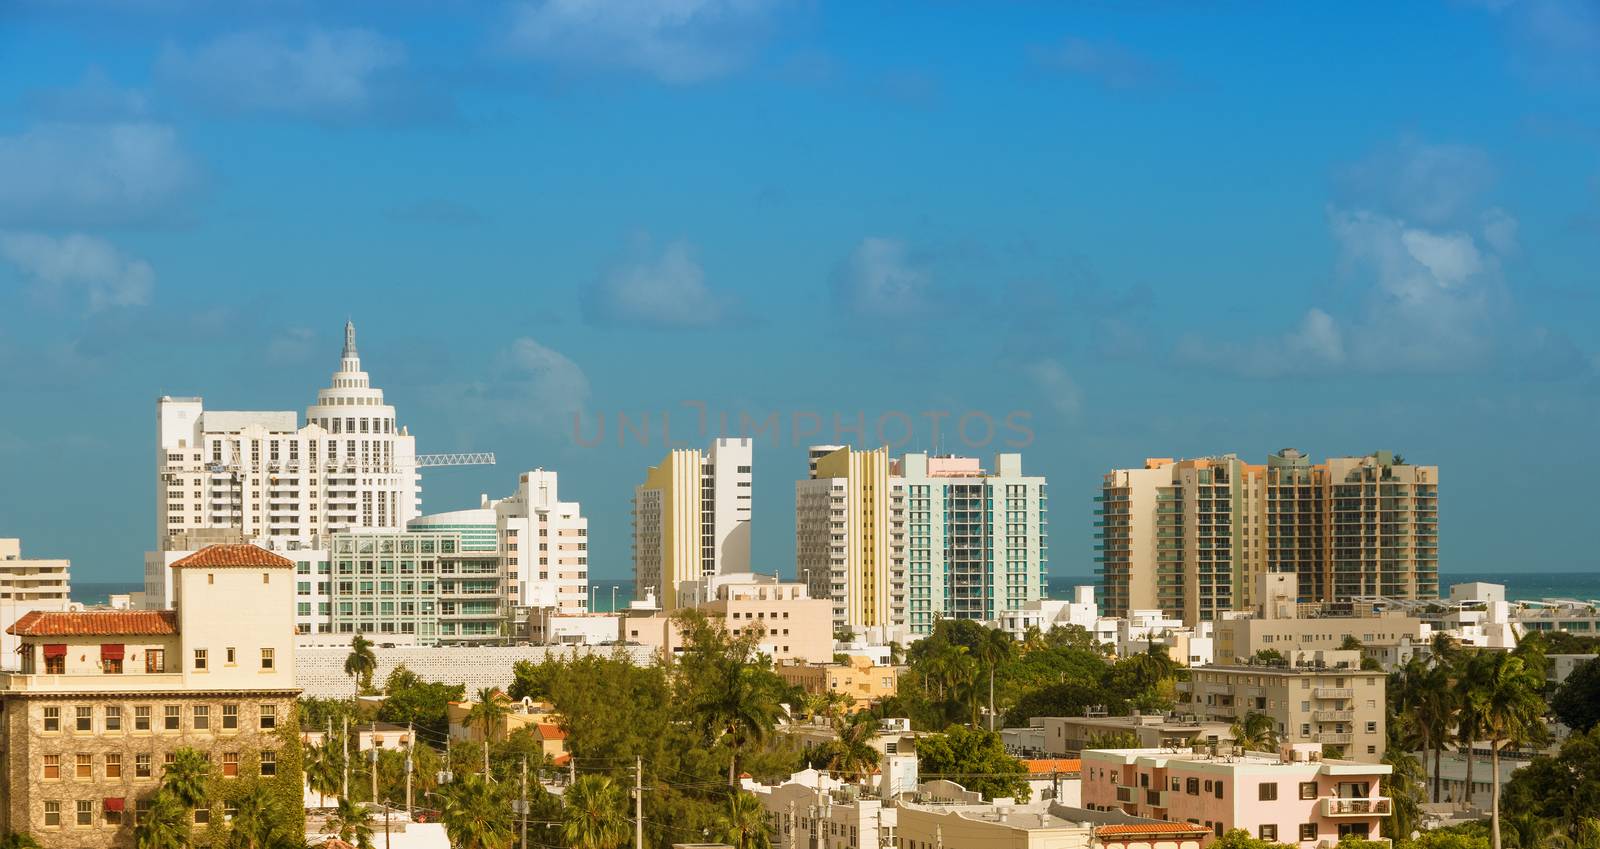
[[127, 682], [1333, 693], [1333, 715], [1335, 807], [1334, 737]]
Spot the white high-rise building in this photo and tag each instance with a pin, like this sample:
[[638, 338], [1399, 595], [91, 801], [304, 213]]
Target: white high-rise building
[[544, 546], [691, 518], [263, 477], [27, 585]]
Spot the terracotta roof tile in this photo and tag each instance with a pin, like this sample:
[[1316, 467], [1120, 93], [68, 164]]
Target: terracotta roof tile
[[233, 557], [1038, 766], [95, 623], [1136, 829], [548, 731]]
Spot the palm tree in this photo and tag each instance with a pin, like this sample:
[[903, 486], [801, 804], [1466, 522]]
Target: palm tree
[[490, 708], [477, 815], [995, 646], [1405, 785], [1506, 697], [743, 823], [744, 712], [1470, 668], [186, 777], [254, 821], [323, 765], [1434, 703], [18, 840], [1255, 733], [351, 823], [164, 826], [851, 753], [596, 814], [362, 663]]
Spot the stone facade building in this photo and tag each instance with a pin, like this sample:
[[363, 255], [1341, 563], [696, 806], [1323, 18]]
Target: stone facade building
[[105, 698]]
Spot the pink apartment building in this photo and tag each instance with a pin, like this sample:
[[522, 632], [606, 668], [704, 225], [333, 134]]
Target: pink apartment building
[[1296, 798]]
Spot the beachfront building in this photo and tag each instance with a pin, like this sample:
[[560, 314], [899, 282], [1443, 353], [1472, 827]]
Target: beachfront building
[[691, 518], [426, 586], [850, 539], [28, 584], [104, 697], [544, 546], [1295, 796], [1190, 536]]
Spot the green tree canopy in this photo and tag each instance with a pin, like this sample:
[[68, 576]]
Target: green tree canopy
[[974, 758], [1577, 702]]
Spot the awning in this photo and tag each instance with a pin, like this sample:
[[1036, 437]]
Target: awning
[[55, 649], [114, 803], [110, 651]]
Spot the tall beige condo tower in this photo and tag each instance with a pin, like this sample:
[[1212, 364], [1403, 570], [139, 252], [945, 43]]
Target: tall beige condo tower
[[849, 538], [691, 519], [27, 585], [1191, 537]]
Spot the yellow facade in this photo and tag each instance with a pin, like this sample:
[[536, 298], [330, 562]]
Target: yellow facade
[[868, 565], [667, 526]]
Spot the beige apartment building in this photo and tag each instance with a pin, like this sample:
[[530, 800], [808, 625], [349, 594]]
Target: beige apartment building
[[1319, 697], [850, 538], [104, 697], [1190, 536], [860, 679], [691, 518], [1067, 736], [789, 626]]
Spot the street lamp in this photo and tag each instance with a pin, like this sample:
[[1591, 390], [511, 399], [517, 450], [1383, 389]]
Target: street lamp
[[613, 598]]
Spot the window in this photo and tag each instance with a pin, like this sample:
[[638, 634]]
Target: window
[[1269, 832], [141, 809], [85, 812], [52, 766], [113, 718], [141, 766], [114, 765], [1308, 790], [167, 760], [113, 810], [266, 658], [155, 661], [230, 764], [1267, 792], [229, 652], [1372, 728], [230, 717], [269, 717], [83, 765], [1192, 786], [52, 719], [199, 660], [169, 718], [83, 719], [141, 718], [202, 816], [55, 664], [269, 764], [202, 717], [1308, 831], [1219, 789], [52, 814]]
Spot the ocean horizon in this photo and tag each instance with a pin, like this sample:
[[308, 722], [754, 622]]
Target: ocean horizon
[[1519, 587]]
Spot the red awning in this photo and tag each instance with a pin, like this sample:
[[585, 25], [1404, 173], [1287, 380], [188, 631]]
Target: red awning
[[55, 649], [114, 803], [110, 651]]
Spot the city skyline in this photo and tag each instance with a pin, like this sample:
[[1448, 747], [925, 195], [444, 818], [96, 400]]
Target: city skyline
[[1163, 235]]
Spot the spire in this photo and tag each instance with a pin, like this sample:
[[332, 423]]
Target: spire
[[349, 340]]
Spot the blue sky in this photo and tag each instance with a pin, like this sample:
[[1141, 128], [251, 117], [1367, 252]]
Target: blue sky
[[1142, 229]]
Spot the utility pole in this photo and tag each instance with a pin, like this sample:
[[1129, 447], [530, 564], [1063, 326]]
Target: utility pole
[[638, 802], [524, 811], [791, 824], [386, 825], [411, 746], [372, 760], [344, 745], [572, 771]]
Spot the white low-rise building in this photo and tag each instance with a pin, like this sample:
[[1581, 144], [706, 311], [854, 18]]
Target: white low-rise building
[[26, 585]]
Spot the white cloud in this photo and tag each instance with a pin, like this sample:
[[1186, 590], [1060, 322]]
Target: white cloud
[[675, 41], [1107, 63], [293, 345], [546, 377], [666, 290], [1500, 231], [879, 279], [1315, 345], [106, 277], [1430, 184], [1056, 387], [95, 98], [335, 76], [86, 174]]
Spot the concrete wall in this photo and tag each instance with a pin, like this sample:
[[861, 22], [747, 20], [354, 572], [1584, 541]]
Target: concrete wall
[[320, 671]]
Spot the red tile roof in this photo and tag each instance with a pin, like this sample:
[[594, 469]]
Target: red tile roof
[[95, 623], [1139, 829], [233, 557], [1039, 766], [548, 731]]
